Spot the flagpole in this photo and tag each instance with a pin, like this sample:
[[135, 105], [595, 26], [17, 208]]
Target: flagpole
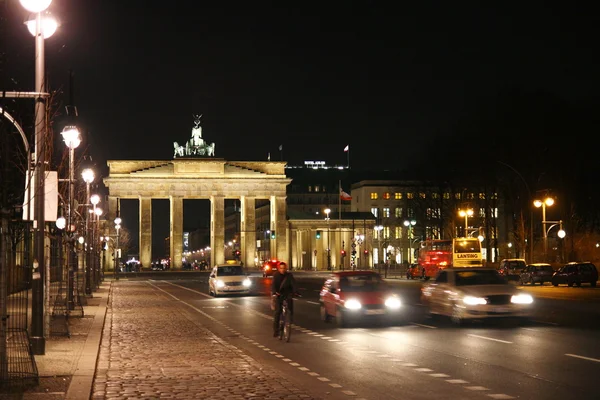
[[340, 219]]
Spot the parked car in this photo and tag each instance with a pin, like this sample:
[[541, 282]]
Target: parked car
[[269, 267], [358, 296], [576, 273], [228, 279], [474, 293], [536, 273], [511, 268]]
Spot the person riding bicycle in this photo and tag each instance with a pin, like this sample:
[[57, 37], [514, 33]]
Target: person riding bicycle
[[283, 286]]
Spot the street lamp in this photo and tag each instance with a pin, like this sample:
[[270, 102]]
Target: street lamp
[[94, 200], [466, 214], [117, 264], [548, 201], [40, 31], [96, 250], [72, 139], [327, 211], [378, 229], [561, 233], [409, 225]]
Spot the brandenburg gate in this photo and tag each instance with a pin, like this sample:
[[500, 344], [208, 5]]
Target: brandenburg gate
[[194, 173]]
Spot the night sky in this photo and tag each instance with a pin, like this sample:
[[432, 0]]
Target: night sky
[[401, 83]]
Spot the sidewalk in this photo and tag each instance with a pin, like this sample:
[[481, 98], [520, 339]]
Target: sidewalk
[[133, 343]]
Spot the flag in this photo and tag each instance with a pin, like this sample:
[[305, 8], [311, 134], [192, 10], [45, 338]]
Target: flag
[[280, 147], [344, 195], [347, 148]]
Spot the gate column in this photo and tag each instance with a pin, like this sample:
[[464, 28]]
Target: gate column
[[146, 231], [217, 229], [248, 231], [279, 246], [176, 231]]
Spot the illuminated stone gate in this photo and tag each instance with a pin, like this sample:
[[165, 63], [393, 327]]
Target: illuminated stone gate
[[202, 178]]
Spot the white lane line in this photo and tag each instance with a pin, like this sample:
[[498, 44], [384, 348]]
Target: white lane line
[[500, 396], [312, 302], [349, 393], [323, 379], [476, 388], [287, 360], [439, 375], [409, 365], [303, 369], [582, 357], [313, 373], [423, 370], [424, 326], [335, 385], [294, 364], [456, 381], [489, 338]]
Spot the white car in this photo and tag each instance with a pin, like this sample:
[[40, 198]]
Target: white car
[[228, 279], [474, 293]]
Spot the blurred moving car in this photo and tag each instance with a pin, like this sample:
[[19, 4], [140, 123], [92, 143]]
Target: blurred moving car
[[576, 273], [536, 273], [415, 272], [353, 296], [269, 267], [474, 293], [228, 279], [511, 268]]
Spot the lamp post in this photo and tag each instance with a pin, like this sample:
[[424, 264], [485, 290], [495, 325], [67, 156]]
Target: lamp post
[[327, 211], [117, 249], [96, 247], [88, 177], [41, 29], [72, 139], [548, 201], [466, 214], [89, 275], [378, 229], [409, 224], [561, 233]]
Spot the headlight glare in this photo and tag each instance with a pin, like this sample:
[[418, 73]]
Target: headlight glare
[[352, 304], [247, 282], [393, 302], [220, 283], [474, 301], [522, 298]]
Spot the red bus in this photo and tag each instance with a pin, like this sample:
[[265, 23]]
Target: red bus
[[434, 254]]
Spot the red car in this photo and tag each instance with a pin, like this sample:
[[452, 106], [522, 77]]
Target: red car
[[269, 267], [357, 296]]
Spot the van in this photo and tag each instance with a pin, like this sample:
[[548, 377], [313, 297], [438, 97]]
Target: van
[[511, 268]]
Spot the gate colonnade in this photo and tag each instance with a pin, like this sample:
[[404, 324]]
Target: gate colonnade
[[199, 178]]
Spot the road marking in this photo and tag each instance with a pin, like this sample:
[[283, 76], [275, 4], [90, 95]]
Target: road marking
[[456, 381], [500, 396], [439, 375], [335, 385], [424, 326], [313, 302], [476, 388], [489, 338], [323, 379], [582, 357], [423, 370], [348, 392]]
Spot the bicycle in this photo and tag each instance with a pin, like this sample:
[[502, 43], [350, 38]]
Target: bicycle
[[285, 321]]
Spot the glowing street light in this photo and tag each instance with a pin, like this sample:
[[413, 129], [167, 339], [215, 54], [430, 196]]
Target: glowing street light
[[466, 214], [548, 201], [328, 211]]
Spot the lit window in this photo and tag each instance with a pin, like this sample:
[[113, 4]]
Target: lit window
[[310, 189], [386, 212], [470, 196], [435, 196], [386, 232], [496, 212], [398, 212], [398, 232], [374, 196], [386, 196], [410, 195], [495, 196], [422, 195], [316, 188], [482, 212], [398, 196], [457, 196], [447, 196], [374, 211], [482, 196], [410, 213]]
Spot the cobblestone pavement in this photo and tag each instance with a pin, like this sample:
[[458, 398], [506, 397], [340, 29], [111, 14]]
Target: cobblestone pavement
[[151, 350]]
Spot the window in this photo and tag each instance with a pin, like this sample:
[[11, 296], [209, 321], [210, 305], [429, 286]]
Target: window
[[470, 196], [398, 232], [309, 189], [374, 196], [433, 213], [386, 196], [482, 196], [410, 195], [386, 212], [398, 212], [435, 196], [447, 196], [316, 188], [422, 195], [482, 212], [374, 211], [410, 213], [457, 196], [398, 196], [386, 232]]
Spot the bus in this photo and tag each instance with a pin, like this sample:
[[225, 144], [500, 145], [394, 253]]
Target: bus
[[436, 254]]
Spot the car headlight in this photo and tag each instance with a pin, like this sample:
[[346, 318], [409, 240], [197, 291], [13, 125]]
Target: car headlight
[[474, 301], [247, 282], [220, 283], [522, 298], [393, 302], [353, 304]]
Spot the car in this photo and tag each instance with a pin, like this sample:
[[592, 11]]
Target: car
[[269, 267], [576, 273], [511, 268], [415, 272], [536, 273], [358, 296], [474, 293], [228, 279]]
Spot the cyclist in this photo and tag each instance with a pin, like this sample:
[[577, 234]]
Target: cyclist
[[283, 286]]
